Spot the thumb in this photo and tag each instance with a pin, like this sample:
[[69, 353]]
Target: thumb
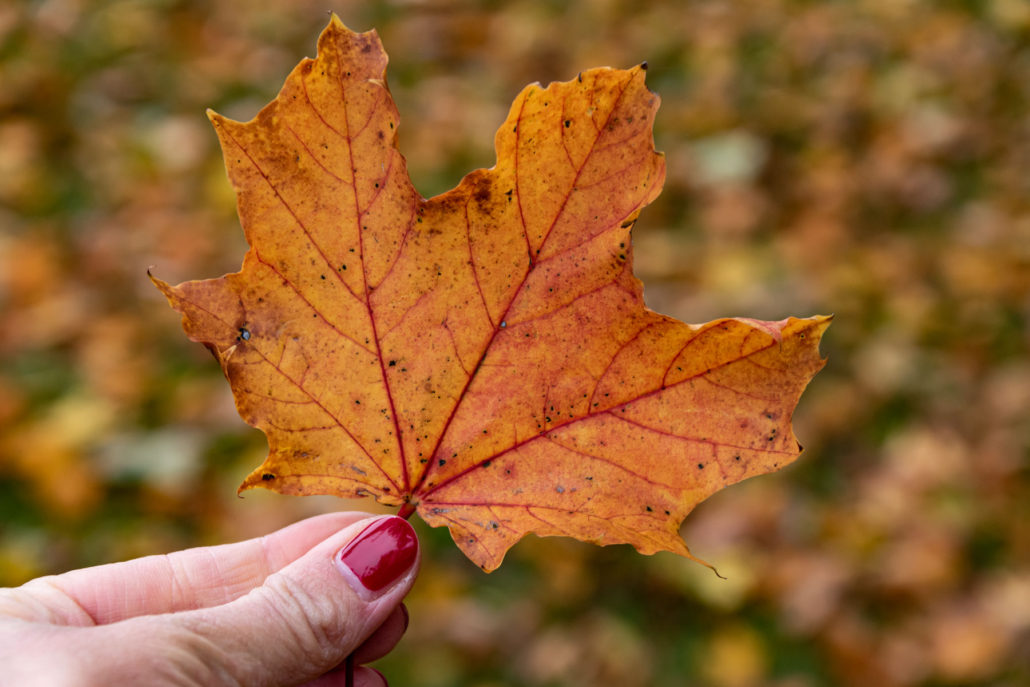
[[306, 618]]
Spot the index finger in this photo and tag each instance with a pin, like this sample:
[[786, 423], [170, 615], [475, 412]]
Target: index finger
[[183, 580]]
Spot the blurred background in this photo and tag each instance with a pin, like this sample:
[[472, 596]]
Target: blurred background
[[867, 158]]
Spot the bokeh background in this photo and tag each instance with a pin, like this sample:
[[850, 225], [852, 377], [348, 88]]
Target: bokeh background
[[867, 158]]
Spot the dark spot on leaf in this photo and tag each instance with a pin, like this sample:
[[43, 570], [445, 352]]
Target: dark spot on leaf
[[441, 462], [568, 123], [267, 476], [244, 334], [392, 363], [649, 509], [700, 466]]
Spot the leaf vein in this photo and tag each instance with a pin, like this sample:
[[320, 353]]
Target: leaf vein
[[289, 209], [300, 294], [368, 302], [311, 154]]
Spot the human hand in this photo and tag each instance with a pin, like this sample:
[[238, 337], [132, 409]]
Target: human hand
[[283, 609]]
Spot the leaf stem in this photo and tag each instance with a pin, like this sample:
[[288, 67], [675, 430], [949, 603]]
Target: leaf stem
[[348, 670]]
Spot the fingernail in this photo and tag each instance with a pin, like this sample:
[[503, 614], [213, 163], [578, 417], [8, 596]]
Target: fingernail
[[381, 676], [378, 556]]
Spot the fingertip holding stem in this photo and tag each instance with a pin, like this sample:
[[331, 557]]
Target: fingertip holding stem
[[373, 562]]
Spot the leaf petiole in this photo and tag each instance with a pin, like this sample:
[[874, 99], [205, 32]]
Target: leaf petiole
[[348, 671]]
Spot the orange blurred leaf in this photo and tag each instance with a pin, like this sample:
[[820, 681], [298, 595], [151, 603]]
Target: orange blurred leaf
[[484, 357]]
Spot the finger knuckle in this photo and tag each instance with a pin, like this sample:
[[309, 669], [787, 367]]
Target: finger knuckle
[[317, 621]]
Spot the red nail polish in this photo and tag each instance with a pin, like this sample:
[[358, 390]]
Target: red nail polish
[[383, 552]]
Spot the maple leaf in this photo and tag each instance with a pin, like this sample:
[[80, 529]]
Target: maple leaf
[[484, 357]]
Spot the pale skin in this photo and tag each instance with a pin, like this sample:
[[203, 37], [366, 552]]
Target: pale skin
[[268, 611]]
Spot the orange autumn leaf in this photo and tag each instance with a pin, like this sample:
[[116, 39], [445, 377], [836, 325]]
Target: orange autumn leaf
[[484, 357]]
